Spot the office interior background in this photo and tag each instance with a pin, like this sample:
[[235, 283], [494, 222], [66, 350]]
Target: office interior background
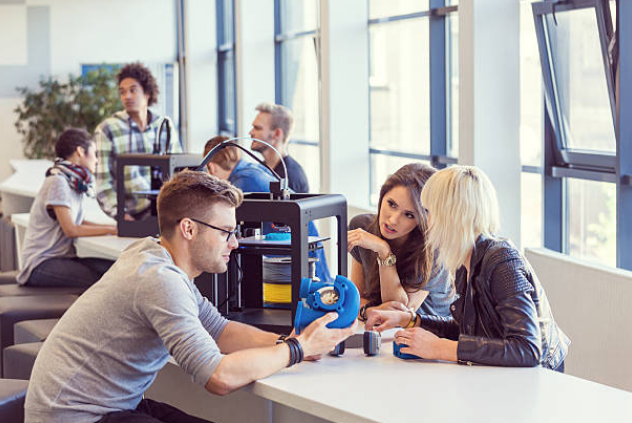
[[375, 84]]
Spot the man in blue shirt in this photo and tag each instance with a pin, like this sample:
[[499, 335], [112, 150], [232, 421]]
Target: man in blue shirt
[[228, 164]]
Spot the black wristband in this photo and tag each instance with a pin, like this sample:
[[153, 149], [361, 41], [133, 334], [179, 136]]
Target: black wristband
[[281, 339], [297, 348], [292, 353]]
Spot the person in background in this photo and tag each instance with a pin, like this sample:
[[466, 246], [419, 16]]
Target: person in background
[[389, 250], [228, 164], [502, 316], [273, 124], [56, 217], [133, 130], [109, 346]]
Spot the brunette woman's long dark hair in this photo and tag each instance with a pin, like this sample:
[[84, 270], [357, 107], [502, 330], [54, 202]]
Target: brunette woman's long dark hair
[[411, 255]]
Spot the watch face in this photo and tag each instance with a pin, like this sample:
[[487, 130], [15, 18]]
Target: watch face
[[328, 295]]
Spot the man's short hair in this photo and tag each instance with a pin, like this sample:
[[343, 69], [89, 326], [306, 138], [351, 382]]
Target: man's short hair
[[280, 117], [225, 158], [144, 77], [193, 194], [69, 140]]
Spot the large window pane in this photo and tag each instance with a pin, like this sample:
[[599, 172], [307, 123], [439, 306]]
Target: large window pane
[[298, 16], [300, 86], [383, 8], [592, 220], [382, 166], [531, 99], [399, 86], [531, 216], [581, 83], [452, 77], [308, 157]]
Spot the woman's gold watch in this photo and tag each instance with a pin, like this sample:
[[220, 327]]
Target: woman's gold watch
[[413, 319], [390, 260]]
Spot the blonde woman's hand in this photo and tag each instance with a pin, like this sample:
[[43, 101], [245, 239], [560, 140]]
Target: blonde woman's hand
[[420, 342], [361, 238]]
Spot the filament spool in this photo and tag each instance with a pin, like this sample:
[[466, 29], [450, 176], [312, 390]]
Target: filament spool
[[277, 281]]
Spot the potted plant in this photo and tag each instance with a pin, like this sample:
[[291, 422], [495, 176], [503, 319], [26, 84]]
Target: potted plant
[[81, 102]]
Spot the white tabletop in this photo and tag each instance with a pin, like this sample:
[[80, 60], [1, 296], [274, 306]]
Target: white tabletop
[[356, 388]]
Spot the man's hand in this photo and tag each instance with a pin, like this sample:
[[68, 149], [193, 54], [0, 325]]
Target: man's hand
[[381, 320], [317, 339], [361, 238], [128, 218]]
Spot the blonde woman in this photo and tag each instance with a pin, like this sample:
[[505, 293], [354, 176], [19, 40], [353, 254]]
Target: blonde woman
[[502, 316]]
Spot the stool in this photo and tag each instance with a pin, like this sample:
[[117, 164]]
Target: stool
[[16, 290], [9, 277], [32, 330], [18, 309], [18, 360], [12, 394]]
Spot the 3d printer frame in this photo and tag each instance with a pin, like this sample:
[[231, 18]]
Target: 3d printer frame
[[167, 164], [296, 213]]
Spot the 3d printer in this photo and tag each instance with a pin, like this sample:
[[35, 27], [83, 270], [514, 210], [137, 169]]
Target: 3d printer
[[239, 293]]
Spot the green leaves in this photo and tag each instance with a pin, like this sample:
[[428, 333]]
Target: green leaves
[[81, 102]]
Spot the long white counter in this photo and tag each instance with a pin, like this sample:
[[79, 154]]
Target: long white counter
[[355, 388]]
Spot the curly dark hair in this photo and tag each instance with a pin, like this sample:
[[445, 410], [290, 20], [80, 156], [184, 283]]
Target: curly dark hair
[[144, 77]]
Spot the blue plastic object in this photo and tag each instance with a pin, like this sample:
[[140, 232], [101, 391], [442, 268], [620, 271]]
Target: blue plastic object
[[278, 236], [399, 354], [320, 298]]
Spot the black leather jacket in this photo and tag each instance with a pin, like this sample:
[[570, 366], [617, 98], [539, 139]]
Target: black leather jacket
[[502, 317]]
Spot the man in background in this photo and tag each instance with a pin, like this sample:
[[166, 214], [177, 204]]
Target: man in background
[[133, 130], [274, 124]]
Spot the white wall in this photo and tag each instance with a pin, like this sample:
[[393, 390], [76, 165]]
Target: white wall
[[63, 34], [489, 106], [591, 304]]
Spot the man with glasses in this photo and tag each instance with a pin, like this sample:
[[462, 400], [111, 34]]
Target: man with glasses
[[108, 347]]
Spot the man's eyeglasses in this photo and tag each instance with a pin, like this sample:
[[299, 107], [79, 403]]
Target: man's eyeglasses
[[228, 233]]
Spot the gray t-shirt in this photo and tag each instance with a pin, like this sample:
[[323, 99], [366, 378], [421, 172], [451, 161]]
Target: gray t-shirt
[[439, 298], [44, 238], [108, 347]]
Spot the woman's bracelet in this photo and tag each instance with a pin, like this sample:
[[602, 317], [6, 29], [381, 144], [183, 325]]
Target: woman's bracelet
[[413, 319]]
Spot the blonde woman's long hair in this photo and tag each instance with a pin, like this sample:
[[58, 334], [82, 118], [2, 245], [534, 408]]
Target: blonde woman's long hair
[[462, 205]]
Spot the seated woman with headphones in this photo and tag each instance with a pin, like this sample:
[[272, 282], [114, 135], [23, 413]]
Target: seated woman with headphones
[[48, 254]]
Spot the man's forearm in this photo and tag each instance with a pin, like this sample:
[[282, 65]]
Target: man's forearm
[[238, 336], [242, 367]]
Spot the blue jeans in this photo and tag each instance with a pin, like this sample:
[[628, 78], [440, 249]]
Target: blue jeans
[[72, 272]]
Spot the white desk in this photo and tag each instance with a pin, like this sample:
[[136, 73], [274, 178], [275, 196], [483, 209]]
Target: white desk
[[104, 246], [355, 388]]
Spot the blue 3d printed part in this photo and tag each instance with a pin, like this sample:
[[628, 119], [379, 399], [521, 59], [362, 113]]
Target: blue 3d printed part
[[399, 354], [320, 298]]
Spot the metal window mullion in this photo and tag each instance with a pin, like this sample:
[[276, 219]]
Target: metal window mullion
[[624, 137], [555, 221], [438, 103]]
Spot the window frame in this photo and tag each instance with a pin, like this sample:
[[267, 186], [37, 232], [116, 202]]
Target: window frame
[[225, 52], [595, 165], [279, 38], [439, 93]]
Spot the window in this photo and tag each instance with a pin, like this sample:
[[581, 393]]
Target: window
[[577, 55], [297, 79], [413, 86], [226, 85]]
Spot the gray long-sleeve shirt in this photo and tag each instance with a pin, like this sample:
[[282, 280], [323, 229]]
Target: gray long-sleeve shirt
[[108, 347]]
